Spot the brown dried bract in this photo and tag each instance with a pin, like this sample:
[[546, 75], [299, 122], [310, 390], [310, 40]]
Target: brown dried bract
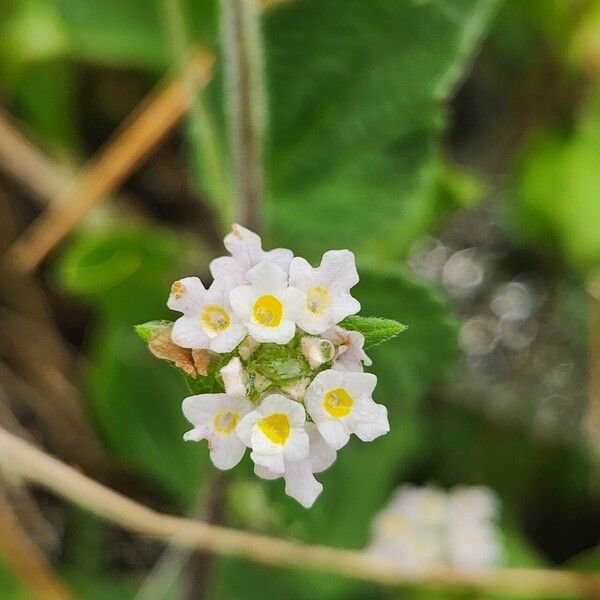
[[201, 360], [162, 346], [177, 290]]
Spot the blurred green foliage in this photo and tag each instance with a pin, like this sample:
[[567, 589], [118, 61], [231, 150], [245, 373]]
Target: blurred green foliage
[[126, 273], [356, 97]]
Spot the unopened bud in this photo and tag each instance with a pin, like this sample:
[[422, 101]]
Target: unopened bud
[[233, 377], [317, 350]]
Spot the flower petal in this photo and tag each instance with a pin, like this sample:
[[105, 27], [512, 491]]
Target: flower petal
[[339, 267], [275, 335], [242, 300], [321, 455], [229, 339], [265, 473], [187, 333], [267, 277], [297, 446], [301, 484], [334, 433], [368, 431], [227, 266], [187, 295], [226, 451], [273, 462], [282, 257]]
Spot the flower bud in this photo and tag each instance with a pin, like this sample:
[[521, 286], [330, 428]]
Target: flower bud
[[317, 350]]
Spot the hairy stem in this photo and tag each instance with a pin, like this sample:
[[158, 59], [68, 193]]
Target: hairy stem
[[240, 40]]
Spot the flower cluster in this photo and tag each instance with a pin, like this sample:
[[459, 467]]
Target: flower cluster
[[293, 380], [426, 527]]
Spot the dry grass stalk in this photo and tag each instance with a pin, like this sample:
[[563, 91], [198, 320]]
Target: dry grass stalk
[[27, 164], [145, 128], [37, 467], [27, 563]]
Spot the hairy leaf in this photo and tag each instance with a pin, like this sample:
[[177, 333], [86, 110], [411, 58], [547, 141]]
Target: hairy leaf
[[375, 329]]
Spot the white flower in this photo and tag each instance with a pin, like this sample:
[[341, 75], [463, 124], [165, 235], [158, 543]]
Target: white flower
[[233, 377], [428, 527], [350, 349], [425, 505], [473, 547], [215, 418], [246, 252], [268, 307], [300, 483], [340, 403], [472, 504], [275, 432], [207, 321], [328, 298]]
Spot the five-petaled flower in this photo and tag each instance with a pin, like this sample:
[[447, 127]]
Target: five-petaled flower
[[340, 403], [207, 321], [268, 307], [275, 431], [327, 288], [215, 418]]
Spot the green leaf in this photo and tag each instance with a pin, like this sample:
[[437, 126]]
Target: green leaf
[[151, 328], [375, 329], [558, 167], [356, 95], [131, 33]]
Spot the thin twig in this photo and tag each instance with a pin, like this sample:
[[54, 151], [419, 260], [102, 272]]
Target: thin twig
[[38, 467], [27, 164], [26, 561], [150, 122], [240, 39]]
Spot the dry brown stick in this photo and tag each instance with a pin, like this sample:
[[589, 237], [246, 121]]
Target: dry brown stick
[[142, 131], [38, 467], [26, 561], [29, 165]]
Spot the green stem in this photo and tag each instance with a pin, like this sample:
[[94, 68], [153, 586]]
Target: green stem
[[206, 153], [241, 44]]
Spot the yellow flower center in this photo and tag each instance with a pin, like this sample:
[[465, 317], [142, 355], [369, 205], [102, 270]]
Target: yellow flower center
[[268, 311], [225, 421], [338, 403], [317, 300], [215, 318], [276, 427]]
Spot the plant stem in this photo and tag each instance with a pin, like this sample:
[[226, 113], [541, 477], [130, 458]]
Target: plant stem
[[205, 151], [246, 100], [197, 576], [37, 467], [168, 570]]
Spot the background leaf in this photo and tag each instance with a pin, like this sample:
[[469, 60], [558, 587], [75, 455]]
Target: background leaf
[[135, 399], [355, 98]]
